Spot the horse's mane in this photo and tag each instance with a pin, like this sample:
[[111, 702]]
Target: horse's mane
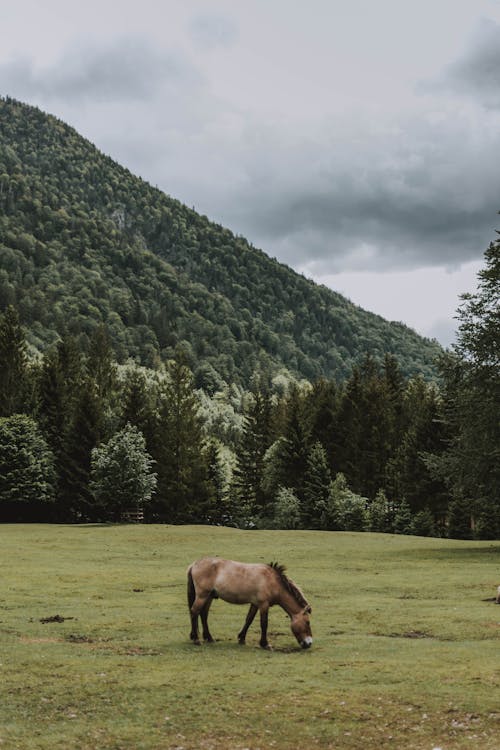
[[289, 585]]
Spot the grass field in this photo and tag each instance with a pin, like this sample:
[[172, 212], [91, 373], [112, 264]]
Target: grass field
[[406, 651]]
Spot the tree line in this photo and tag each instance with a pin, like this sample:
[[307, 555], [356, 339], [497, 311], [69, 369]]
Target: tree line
[[85, 439]]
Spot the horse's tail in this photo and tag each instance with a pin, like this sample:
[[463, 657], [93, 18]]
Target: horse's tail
[[191, 593]]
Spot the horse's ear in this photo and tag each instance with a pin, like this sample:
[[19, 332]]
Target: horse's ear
[[308, 610]]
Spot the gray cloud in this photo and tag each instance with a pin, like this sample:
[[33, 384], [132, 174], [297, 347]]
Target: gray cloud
[[476, 74], [130, 68], [414, 192], [210, 30], [426, 196]]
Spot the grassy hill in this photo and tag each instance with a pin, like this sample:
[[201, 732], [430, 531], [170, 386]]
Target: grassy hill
[[83, 241], [405, 646]]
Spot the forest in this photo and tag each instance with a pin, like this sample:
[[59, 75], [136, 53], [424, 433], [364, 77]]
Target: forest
[[86, 439], [85, 243], [151, 362]]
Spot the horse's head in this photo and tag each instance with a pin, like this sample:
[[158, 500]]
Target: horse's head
[[301, 627]]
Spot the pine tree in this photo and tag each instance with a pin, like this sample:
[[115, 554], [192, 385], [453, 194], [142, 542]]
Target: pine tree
[[423, 523], [317, 481], [219, 510], [83, 435], [322, 405], [255, 440], [403, 518], [379, 514], [13, 365], [470, 465], [487, 522], [295, 446], [459, 519], [101, 369], [59, 390], [182, 491], [27, 476]]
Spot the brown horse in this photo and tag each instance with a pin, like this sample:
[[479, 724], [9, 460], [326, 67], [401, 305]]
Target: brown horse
[[256, 584]]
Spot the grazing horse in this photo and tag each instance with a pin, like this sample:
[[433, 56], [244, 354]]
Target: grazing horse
[[256, 584]]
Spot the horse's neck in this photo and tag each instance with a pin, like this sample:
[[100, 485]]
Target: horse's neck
[[288, 602]]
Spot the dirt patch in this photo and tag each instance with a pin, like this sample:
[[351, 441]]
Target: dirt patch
[[55, 618], [412, 634], [76, 638]]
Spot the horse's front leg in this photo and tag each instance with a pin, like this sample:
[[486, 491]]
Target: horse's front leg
[[250, 618], [263, 628], [204, 620]]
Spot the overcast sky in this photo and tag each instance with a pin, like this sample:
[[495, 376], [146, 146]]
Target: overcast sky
[[355, 140]]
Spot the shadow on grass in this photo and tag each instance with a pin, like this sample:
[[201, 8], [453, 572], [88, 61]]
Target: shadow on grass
[[464, 551]]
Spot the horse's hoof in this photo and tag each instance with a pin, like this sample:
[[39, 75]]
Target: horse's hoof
[[266, 646], [209, 640], [241, 641], [196, 643]]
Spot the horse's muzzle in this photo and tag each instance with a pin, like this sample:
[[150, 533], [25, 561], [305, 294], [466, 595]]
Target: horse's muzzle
[[307, 642]]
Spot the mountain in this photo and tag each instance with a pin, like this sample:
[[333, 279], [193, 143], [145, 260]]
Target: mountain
[[83, 242]]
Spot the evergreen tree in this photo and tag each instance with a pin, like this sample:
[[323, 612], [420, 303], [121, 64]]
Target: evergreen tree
[[219, 511], [459, 519], [487, 522], [27, 474], [137, 405], [403, 518], [409, 473], [367, 428], [83, 435], [423, 523], [249, 470], [101, 368], [182, 491], [379, 514], [59, 391], [317, 481], [13, 365], [470, 465], [295, 447], [321, 406]]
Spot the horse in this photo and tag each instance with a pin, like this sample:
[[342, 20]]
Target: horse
[[257, 584]]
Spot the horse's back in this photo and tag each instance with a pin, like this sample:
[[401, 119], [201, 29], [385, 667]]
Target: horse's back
[[235, 582]]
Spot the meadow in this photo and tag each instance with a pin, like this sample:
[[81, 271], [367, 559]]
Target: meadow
[[95, 651]]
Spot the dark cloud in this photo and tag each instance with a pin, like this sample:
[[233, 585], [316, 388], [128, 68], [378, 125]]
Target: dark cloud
[[429, 201], [130, 68]]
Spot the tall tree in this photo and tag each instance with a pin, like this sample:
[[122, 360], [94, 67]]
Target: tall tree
[[254, 442], [13, 364], [83, 435], [317, 481], [182, 490], [471, 463]]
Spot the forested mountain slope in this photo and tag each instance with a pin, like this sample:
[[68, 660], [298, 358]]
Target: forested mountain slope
[[83, 241]]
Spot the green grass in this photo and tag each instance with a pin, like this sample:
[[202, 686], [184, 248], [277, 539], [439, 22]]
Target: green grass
[[405, 654]]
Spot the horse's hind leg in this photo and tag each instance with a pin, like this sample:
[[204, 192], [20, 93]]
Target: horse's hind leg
[[250, 617], [204, 620]]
